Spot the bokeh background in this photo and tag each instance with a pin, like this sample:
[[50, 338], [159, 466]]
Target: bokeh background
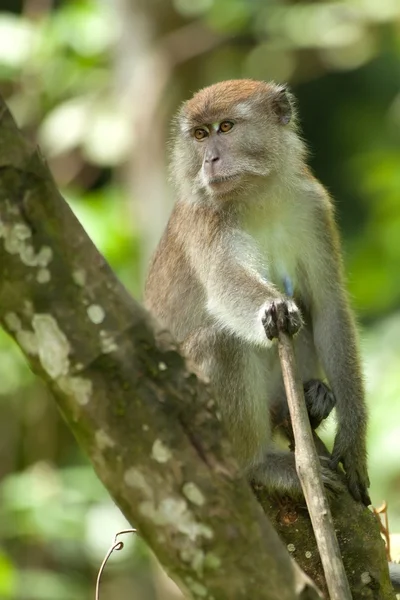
[[95, 83]]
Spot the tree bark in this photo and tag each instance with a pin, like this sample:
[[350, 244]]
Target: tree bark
[[148, 425]]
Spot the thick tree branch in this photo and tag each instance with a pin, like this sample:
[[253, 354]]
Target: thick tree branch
[[147, 424]]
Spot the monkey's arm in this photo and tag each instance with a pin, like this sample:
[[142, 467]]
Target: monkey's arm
[[237, 295], [337, 345]]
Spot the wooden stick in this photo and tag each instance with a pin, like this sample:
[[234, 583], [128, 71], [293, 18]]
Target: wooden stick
[[308, 470]]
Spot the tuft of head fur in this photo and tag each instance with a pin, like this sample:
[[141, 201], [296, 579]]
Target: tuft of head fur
[[220, 99], [263, 142]]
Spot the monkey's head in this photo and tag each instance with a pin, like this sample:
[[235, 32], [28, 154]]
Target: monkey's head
[[233, 133]]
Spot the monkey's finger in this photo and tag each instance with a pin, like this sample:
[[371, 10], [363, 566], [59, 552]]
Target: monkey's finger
[[269, 324], [281, 315]]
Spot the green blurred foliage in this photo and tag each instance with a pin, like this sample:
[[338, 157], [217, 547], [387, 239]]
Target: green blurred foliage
[[57, 71]]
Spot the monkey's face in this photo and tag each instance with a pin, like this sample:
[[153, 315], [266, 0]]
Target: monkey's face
[[230, 135]]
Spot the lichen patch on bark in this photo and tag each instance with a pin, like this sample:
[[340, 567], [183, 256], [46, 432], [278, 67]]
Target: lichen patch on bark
[[53, 345], [96, 313], [192, 493], [77, 387], [16, 236], [160, 452], [103, 440]]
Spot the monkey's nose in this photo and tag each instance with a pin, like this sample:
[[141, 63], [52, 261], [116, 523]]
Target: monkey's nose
[[212, 159]]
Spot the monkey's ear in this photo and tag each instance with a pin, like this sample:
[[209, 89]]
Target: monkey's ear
[[282, 105]]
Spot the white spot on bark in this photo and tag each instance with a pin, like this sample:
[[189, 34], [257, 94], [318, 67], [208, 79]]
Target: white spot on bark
[[53, 345], [196, 587], [25, 338], [160, 452], [308, 554], [291, 547], [162, 366], [145, 427], [16, 238], [169, 512], [79, 277], [28, 342], [192, 493], [96, 313], [174, 512], [77, 387], [103, 440], [12, 321], [134, 478], [44, 256], [195, 557], [43, 276], [28, 308], [365, 578], [107, 342]]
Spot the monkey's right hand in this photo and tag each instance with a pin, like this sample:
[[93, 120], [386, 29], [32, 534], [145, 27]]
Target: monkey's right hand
[[281, 314]]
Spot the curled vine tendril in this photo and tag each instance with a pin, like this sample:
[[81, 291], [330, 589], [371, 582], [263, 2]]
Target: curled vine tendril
[[116, 545]]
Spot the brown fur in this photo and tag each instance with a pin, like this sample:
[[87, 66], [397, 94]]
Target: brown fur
[[220, 99]]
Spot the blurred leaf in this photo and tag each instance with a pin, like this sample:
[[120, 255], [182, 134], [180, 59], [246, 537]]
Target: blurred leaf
[[64, 127], [89, 27], [108, 138], [8, 577], [17, 36], [229, 15], [48, 585]]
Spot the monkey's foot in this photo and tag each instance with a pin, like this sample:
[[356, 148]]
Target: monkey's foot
[[278, 474], [330, 479], [319, 401], [281, 315]]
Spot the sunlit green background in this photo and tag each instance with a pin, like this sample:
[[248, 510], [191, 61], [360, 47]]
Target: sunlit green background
[[95, 83]]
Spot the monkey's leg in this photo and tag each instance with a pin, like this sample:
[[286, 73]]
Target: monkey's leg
[[243, 379], [319, 401], [238, 376]]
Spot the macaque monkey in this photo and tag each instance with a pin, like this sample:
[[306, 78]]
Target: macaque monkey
[[253, 235]]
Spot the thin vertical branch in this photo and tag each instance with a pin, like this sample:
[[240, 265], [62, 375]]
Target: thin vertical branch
[[308, 470]]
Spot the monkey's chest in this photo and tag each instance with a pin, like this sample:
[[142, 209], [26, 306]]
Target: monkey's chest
[[278, 250]]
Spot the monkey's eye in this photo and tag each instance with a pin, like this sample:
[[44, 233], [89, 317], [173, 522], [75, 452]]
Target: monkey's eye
[[225, 126], [200, 133]]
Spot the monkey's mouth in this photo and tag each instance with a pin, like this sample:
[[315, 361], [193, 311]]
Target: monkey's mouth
[[223, 179]]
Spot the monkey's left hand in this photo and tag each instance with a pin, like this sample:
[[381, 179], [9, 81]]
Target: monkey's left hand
[[354, 462]]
